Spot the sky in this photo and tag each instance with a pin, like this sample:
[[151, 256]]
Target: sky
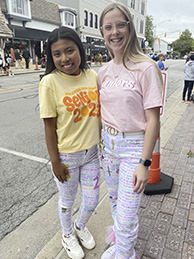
[[172, 17]]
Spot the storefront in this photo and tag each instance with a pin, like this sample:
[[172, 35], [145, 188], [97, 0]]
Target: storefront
[[94, 46], [23, 38]]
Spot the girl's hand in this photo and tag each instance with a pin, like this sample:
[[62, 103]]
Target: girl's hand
[[140, 178], [61, 172]]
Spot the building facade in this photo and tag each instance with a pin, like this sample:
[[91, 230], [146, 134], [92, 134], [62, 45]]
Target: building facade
[[162, 46], [5, 33], [89, 12], [31, 21]]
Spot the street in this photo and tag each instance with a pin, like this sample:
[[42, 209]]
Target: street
[[26, 181]]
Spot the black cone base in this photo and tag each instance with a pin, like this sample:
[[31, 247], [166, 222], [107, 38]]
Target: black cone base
[[164, 186]]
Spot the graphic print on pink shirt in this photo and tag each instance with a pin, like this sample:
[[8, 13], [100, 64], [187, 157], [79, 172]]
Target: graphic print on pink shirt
[[119, 83]]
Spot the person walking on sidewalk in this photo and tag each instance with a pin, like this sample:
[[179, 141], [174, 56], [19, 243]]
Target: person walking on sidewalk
[[130, 88], [18, 58], [69, 106], [189, 78], [26, 56]]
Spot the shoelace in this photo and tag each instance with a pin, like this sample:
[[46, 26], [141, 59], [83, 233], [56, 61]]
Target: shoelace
[[112, 250], [72, 241], [84, 234]]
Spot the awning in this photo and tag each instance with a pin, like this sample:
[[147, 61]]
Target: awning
[[29, 34]]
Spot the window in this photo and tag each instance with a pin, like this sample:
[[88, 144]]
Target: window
[[86, 18], [20, 7], [96, 21], [91, 19], [141, 26], [69, 19], [133, 4], [142, 7]]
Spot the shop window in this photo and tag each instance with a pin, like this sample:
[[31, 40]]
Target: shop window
[[91, 19], [143, 7], [21, 7], [69, 19], [86, 18], [96, 21], [141, 26]]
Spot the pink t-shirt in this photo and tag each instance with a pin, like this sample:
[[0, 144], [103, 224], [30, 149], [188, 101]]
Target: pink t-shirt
[[125, 95]]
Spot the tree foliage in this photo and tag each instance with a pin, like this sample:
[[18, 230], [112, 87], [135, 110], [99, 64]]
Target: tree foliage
[[149, 30], [184, 44]]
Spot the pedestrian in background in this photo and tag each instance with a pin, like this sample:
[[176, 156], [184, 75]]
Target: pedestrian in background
[[69, 106], [1, 63], [7, 68], [18, 58], [43, 59], [189, 78], [26, 56], [160, 62], [130, 88]]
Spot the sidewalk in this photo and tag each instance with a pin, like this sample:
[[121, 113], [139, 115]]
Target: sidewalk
[[19, 71], [32, 69], [166, 221]]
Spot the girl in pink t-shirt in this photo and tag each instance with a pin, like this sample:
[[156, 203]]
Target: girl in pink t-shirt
[[130, 88]]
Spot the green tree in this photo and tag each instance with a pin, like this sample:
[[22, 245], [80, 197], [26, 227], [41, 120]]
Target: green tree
[[149, 30], [184, 44]]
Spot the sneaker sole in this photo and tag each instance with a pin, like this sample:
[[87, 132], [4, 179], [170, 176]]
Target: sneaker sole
[[69, 252]]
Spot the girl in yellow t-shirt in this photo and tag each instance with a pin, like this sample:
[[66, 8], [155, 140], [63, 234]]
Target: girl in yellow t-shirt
[[70, 108]]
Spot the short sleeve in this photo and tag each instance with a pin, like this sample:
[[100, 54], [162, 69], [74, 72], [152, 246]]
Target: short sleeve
[[47, 99], [160, 65], [151, 84]]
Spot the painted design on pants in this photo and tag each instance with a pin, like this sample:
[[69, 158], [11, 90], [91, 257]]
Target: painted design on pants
[[119, 162], [84, 168]]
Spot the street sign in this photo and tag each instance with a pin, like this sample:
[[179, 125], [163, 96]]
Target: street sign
[[165, 80]]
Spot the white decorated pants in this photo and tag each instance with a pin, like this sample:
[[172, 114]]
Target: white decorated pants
[[120, 156]]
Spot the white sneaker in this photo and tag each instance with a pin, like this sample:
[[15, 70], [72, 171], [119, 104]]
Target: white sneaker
[[72, 247], [85, 237], [109, 253]]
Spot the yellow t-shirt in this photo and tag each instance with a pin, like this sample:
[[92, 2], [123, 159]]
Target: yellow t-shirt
[[74, 100]]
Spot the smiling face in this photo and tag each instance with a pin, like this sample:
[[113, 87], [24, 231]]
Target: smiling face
[[66, 56], [117, 38]]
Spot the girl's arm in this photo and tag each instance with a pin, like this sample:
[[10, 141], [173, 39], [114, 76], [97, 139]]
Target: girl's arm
[[140, 176], [59, 168]]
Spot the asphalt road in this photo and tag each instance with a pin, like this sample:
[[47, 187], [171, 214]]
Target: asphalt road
[[26, 182]]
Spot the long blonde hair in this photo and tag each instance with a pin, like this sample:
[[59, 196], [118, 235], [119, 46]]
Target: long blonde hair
[[132, 50]]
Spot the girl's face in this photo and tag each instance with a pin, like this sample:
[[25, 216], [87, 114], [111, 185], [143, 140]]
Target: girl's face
[[115, 31], [66, 56]]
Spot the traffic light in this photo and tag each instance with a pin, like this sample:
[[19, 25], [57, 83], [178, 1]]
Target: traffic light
[[165, 34]]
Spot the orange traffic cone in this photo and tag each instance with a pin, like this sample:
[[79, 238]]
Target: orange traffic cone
[[158, 182], [36, 63], [154, 173]]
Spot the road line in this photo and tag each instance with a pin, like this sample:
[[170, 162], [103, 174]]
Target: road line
[[33, 158], [17, 88]]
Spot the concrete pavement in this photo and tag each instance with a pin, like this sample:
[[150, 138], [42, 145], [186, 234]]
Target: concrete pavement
[[19, 71], [166, 221]]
